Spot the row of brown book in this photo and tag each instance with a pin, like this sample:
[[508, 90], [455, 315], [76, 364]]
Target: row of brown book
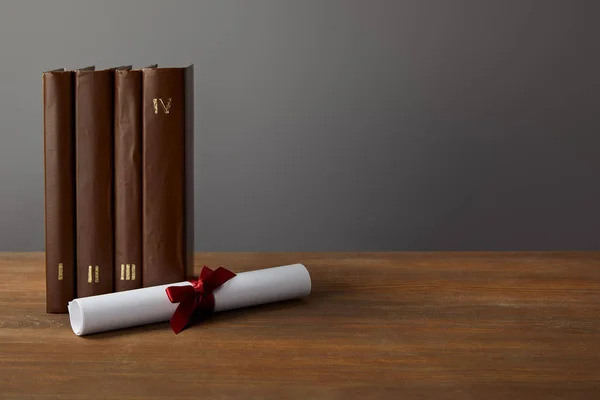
[[118, 159]]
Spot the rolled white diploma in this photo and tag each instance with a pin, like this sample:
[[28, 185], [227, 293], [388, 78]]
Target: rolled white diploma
[[150, 305]]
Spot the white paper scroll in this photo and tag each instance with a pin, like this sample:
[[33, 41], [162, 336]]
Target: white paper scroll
[[150, 305]]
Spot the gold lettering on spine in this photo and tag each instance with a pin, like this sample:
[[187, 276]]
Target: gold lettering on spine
[[60, 271], [90, 274], [165, 107], [97, 275], [128, 272], [122, 272], [133, 272]]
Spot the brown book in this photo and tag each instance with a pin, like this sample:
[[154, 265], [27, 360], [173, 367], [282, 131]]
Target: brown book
[[59, 188], [128, 178], [94, 111], [167, 189]]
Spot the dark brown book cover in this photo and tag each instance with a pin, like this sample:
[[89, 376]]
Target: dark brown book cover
[[167, 189], [94, 109], [128, 179], [59, 188]]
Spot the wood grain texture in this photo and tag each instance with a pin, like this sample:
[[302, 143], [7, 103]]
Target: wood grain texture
[[397, 326]]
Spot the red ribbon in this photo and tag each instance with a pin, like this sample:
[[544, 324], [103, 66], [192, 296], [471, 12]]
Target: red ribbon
[[198, 297]]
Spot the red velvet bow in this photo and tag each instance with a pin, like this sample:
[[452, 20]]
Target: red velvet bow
[[198, 297]]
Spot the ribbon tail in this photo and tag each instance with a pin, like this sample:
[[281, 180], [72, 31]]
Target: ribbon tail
[[182, 315]]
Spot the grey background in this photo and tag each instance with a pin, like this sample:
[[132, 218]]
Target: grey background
[[341, 125]]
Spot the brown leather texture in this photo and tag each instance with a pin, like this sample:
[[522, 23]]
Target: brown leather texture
[[167, 218], [128, 179], [94, 95], [59, 188]]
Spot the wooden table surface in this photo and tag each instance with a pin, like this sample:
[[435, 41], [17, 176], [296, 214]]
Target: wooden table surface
[[377, 325]]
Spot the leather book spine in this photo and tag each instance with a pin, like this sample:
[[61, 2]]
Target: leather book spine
[[59, 188], [94, 109], [167, 177], [128, 179]]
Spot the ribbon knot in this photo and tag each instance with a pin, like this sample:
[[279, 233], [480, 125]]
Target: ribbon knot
[[198, 286], [197, 297]]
